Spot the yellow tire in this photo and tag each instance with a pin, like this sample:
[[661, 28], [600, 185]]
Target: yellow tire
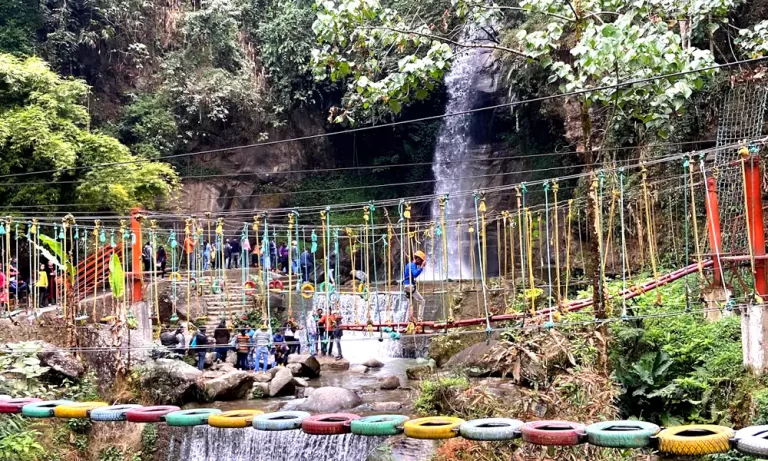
[[234, 418], [307, 290], [433, 428], [695, 440], [175, 277], [77, 410]]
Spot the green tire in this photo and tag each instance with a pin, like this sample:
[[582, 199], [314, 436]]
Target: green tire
[[42, 409], [379, 425], [196, 417], [621, 434]]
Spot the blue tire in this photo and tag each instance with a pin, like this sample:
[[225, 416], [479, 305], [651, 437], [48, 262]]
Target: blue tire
[[112, 413], [491, 429], [621, 434], [280, 421], [42, 409]]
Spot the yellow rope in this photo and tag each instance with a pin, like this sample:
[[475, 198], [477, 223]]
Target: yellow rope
[[512, 255], [350, 235], [458, 246], [611, 214], [555, 188], [649, 225], [568, 254], [483, 236], [503, 271], [366, 247], [541, 244], [444, 237], [531, 281], [471, 231], [520, 223]]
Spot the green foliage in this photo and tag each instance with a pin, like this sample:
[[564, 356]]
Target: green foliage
[[43, 126], [148, 126], [20, 370], [436, 394], [148, 441], [355, 39], [677, 368], [754, 40], [111, 454], [18, 21], [17, 441], [253, 318], [116, 276]]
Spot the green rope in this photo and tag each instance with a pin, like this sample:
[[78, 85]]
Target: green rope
[[686, 164], [523, 251], [371, 209], [401, 221]]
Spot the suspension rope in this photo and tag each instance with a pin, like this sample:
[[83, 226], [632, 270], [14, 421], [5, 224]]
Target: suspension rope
[[375, 278], [694, 220], [650, 231], [709, 206], [460, 253], [623, 245], [520, 223], [568, 254], [443, 232], [746, 210], [549, 264], [480, 207], [555, 188]]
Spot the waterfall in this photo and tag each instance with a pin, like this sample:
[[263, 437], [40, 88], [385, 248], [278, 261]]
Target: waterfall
[[205, 443], [451, 170]]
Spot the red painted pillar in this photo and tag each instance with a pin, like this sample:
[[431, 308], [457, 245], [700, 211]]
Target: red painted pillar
[[713, 229], [755, 213], [136, 266]]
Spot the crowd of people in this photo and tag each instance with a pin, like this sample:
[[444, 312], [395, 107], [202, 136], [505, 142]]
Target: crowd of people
[[253, 346]]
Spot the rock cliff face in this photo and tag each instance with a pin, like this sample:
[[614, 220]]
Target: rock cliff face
[[253, 177]]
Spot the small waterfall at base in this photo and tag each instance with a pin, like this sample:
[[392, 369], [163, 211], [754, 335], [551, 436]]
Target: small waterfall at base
[[205, 443], [359, 346], [451, 168]]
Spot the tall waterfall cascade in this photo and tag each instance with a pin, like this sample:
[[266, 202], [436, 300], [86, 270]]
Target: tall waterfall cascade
[[453, 168]]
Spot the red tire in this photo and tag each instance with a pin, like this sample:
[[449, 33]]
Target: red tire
[[554, 433], [276, 285], [149, 414], [14, 405], [329, 424]]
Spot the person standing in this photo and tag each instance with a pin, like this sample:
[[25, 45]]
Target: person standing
[[189, 248], [332, 268], [290, 338], [207, 256], [273, 253], [282, 255], [52, 293], [181, 345], [161, 260], [322, 340], [312, 333], [227, 254], [42, 286], [146, 257], [256, 256], [235, 252], [243, 346], [412, 272], [262, 340], [335, 336], [221, 337], [307, 265], [201, 347]]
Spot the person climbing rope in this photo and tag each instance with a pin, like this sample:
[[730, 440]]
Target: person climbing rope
[[412, 272], [221, 336]]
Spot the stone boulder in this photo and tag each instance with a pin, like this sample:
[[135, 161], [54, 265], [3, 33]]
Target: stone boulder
[[361, 369], [282, 384], [472, 359], [300, 382], [234, 385], [390, 382], [330, 400], [260, 390], [168, 381], [332, 364], [373, 363], [310, 367], [387, 406], [61, 364], [422, 370], [296, 368], [261, 377]]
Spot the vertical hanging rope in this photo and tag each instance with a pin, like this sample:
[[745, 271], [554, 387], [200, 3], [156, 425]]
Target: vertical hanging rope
[[650, 231], [18, 275], [8, 221], [709, 206], [599, 228], [461, 254], [541, 244], [505, 269], [401, 211], [568, 254], [265, 248], [531, 281], [291, 219], [96, 228], [512, 256], [480, 202], [550, 324], [366, 253], [685, 230], [611, 214], [471, 231], [555, 188], [153, 266], [371, 210], [443, 232], [390, 231], [85, 273], [520, 192], [623, 245], [33, 250]]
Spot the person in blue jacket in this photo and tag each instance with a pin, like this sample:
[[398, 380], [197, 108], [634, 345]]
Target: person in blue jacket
[[412, 272]]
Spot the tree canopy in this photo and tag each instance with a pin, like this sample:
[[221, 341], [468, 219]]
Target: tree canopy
[[48, 151]]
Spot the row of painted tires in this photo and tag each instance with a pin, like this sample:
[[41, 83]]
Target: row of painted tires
[[681, 440]]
